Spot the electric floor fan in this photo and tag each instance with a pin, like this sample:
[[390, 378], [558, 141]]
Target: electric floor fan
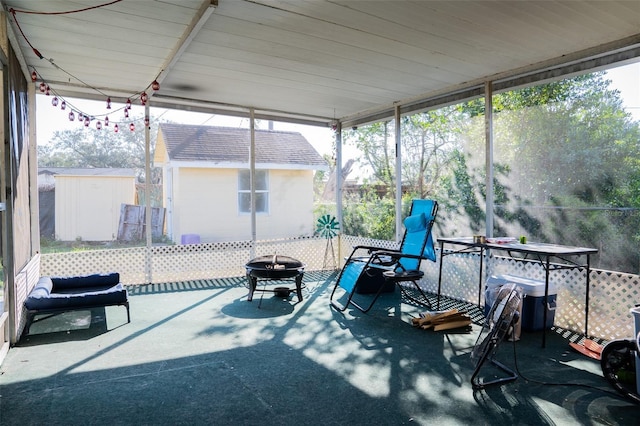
[[504, 313]]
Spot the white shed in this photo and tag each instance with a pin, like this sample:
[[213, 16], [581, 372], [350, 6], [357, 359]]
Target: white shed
[[206, 188], [88, 201]]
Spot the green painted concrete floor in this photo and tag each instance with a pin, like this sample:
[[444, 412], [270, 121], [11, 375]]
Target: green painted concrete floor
[[199, 353]]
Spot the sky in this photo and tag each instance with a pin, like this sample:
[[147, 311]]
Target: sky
[[627, 80], [50, 119]]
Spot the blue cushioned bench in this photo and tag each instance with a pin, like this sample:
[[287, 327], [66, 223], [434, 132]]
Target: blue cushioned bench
[[54, 295]]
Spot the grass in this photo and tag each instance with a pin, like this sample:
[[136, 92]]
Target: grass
[[54, 246]]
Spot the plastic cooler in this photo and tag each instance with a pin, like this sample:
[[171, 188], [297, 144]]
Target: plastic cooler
[[636, 316], [532, 318]]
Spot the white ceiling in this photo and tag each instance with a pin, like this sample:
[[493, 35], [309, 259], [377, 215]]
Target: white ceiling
[[309, 60]]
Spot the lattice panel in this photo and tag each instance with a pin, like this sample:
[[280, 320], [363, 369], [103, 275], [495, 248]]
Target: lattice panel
[[129, 262], [25, 280], [459, 277], [348, 243], [199, 261], [182, 262], [612, 294], [310, 251]]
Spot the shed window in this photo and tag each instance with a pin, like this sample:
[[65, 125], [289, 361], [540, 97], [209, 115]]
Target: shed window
[[262, 191]]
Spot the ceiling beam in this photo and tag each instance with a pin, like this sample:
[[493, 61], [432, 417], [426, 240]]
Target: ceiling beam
[[192, 30]]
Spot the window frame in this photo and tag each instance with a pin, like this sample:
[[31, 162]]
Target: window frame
[[259, 192]]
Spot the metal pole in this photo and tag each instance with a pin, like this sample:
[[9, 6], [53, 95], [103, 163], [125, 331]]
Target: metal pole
[[147, 192], [488, 125], [252, 173], [338, 188], [398, 175]]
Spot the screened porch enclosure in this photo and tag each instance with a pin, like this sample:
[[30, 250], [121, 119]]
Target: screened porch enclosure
[[551, 174], [610, 291], [420, 93]]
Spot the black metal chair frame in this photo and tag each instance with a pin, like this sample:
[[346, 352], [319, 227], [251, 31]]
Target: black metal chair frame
[[394, 270]]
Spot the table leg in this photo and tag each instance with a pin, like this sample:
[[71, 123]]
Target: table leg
[[299, 287], [546, 304], [440, 274], [253, 283], [586, 307], [480, 276]]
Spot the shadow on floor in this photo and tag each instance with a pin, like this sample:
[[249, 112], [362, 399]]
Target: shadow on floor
[[199, 353]]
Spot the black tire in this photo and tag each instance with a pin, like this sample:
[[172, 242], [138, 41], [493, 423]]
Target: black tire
[[618, 364]]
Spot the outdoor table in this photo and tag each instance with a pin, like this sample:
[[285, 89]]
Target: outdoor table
[[568, 256]]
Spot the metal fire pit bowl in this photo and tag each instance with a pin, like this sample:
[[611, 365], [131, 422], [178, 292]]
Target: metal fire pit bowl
[[275, 268]]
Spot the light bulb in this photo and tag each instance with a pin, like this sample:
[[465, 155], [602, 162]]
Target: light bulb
[[144, 98], [146, 121], [155, 85], [132, 127], [115, 128], [34, 76], [43, 87], [106, 121], [128, 104], [126, 113], [72, 116], [108, 103], [54, 101], [63, 105], [47, 92], [86, 121], [99, 125]]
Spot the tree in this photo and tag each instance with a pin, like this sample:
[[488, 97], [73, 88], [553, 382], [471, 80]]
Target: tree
[[88, 147], [564, 152]]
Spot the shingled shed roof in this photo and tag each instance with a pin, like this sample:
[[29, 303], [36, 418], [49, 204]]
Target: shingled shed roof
[[231, 145]]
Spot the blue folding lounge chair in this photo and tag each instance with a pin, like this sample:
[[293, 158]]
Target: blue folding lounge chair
[[393, 266]]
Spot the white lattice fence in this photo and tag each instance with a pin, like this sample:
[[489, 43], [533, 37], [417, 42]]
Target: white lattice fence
[[160, 264], [611, 296], [612, 293], [129, 262]]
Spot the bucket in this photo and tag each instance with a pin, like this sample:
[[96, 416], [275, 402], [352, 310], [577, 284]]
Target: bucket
[[190, 239]]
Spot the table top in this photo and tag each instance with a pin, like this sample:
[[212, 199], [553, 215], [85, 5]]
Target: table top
[[530, 247]]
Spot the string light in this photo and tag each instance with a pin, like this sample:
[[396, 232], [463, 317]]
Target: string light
[[86, 119], [59, 100]]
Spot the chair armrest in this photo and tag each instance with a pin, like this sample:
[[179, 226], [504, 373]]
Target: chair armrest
[[397, 255], [372, 255]]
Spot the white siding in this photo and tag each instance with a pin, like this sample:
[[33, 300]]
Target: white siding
[[88, 207], [206, 204]]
